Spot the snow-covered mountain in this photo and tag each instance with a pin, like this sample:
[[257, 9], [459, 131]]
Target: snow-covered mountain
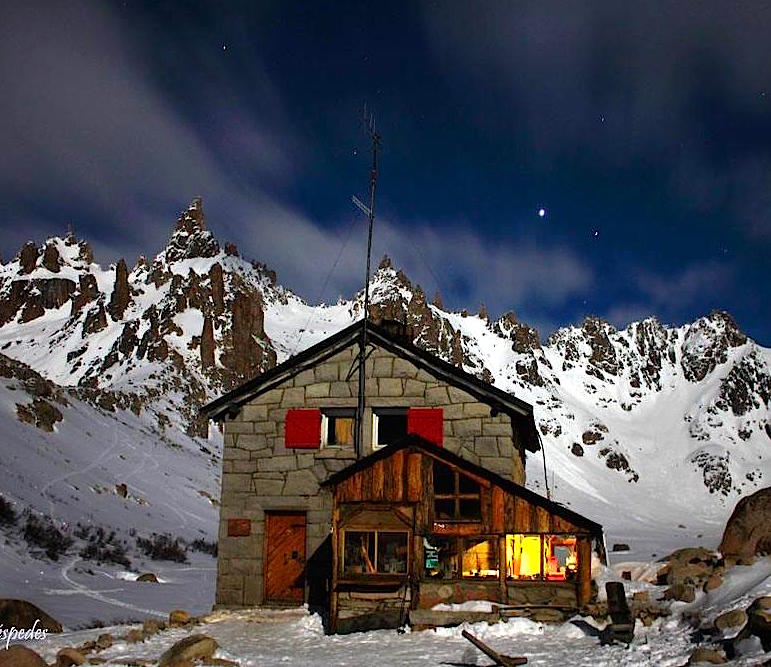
[[651, 430]]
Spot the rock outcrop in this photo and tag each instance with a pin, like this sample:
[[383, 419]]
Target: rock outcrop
[[748, 531], [22, 614], [28, 258], [207, 343], [121, 293]]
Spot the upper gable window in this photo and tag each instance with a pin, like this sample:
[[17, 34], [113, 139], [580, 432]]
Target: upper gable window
[[389, 425], [337, 427], [456, 496]]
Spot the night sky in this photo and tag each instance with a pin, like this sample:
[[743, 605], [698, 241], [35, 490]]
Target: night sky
[[643, 131]]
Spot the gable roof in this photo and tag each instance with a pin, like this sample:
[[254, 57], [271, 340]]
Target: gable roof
[[416, 442], [520, 412]]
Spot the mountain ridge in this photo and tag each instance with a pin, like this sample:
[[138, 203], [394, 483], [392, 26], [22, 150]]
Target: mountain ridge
[[197, 319]]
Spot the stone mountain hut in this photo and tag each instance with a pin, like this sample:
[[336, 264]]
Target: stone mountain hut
[[432, 509]]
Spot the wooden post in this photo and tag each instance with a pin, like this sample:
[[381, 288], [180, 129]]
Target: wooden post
[[415, 568], [584, 570], [335, 565], [502, 570]]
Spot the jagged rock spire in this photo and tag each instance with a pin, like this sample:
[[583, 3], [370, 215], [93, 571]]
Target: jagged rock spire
[[190, 237]]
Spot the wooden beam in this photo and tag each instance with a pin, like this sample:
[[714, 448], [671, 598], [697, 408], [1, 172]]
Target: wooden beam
[[504, 589], [498, 510], [498, 658], [584, 571], [414, 477], [333, 601]]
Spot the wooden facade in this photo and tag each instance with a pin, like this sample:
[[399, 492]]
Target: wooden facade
[[413, 495]]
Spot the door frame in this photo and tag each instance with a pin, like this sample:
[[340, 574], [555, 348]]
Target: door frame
[[282, 512]]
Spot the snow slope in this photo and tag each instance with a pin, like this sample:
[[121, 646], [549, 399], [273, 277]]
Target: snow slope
[[654, 431]]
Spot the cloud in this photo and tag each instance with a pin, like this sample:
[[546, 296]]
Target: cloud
[[694, 289], [84, 125], [87, 127], [674, 90], [466, 269]]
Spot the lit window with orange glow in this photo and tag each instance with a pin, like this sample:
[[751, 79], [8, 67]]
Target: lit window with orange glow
[[535, 557]]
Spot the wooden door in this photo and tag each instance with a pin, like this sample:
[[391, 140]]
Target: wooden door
[[284, 557]]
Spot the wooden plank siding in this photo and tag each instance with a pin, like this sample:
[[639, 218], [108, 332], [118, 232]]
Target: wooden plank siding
[[400, 484], [407, 477]]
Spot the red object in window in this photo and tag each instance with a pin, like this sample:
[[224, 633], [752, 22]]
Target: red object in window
[[428, 423], [302, 429]]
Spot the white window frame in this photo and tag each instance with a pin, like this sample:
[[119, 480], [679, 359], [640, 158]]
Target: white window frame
[[376, 412], [325, 425]]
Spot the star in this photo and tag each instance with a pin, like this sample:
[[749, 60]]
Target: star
[[595, 233], [541, 212], [224, 47]]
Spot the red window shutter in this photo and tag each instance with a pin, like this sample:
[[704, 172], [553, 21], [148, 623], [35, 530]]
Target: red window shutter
[[302, 429], [428, 423]]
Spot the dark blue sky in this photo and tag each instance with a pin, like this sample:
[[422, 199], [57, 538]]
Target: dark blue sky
[[644, 132]]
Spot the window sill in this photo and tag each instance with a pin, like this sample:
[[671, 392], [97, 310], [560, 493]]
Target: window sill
[[336, 453], [373, 580]]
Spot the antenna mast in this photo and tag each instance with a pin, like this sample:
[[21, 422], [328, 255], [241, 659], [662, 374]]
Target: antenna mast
[[369, 121]]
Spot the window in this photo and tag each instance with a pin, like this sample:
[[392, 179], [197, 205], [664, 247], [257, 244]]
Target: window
[[480, 557], [337, 427], [389, 425], [456, 496], [441, 557], [446, 557], [374, 552], [550, 557]]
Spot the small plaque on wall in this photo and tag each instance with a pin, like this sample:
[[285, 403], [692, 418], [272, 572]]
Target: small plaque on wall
[[239, 527]]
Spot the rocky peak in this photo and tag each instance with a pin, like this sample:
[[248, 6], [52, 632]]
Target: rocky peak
[[28, 257], [85, 253], [597, 333], [51, 258], [707, 342], [525, 339], [190, 237]]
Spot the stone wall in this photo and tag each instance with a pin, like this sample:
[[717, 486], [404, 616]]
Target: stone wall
[[522, 593], [260, 474]]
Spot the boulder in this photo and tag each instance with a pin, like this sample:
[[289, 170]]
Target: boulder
[[192, 648], [691, 565], [20, 656], [706, 655], [22, 614], [148, 577], [152, 627], [730, 619], [134, 636], [68, 657], [714, 581], [759, 620], [104, 641], [680, 591], [748, 531], [121, 489], [179, 617]]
